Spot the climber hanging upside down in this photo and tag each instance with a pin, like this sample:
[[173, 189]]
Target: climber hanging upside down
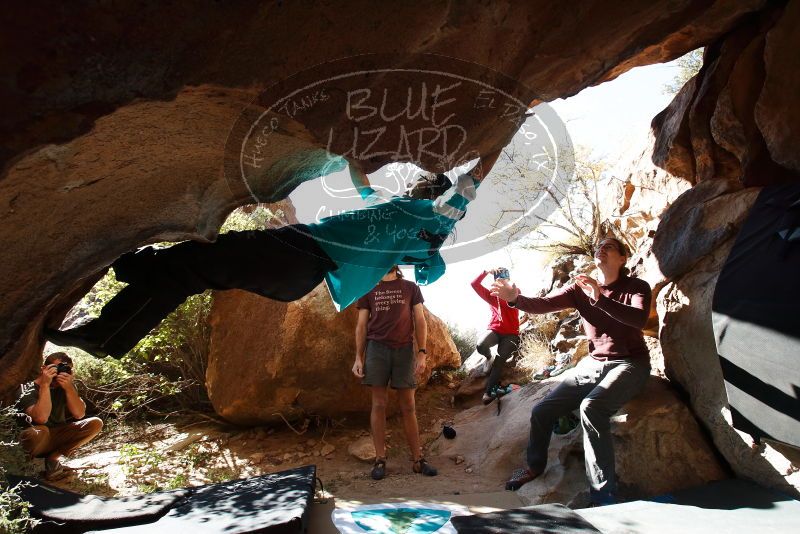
[[349, 251]]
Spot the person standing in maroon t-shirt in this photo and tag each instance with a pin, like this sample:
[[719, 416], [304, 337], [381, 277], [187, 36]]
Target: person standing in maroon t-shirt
[[389, 317], [503, 332], [614, 310]]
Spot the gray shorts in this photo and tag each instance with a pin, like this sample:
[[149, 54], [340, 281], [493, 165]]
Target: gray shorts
[[383, 363]]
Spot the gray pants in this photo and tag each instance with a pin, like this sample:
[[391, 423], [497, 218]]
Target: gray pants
[[599, 389], [507, 345]]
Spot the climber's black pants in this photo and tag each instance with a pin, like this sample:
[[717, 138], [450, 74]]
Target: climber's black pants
[[282, 264]]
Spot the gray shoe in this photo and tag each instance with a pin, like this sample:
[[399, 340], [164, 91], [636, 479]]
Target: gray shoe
[[56, 471]]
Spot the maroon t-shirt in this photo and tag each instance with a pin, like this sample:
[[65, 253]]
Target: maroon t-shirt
[[390, 317], [613, 323]]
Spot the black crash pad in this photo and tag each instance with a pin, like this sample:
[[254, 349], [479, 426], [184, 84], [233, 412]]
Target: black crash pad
[[76, 513], [275, 503], [544, 518], [756, 322]]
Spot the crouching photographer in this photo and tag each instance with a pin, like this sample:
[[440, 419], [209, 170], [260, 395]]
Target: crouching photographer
[[48, 402]]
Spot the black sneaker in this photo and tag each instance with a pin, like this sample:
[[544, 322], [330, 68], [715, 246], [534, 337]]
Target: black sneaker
[[69, 338], [379, 469], [423, 467]]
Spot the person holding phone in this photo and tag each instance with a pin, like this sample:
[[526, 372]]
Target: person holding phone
[[46, 404], [503, 332]]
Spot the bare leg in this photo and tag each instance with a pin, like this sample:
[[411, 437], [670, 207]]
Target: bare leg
[[377, 420], [408, 409]]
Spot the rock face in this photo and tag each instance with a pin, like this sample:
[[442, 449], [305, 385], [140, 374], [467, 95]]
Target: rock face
[[269, 358], [732, 125], [737, 119], [132, 107], [659, 446], [687, 337]]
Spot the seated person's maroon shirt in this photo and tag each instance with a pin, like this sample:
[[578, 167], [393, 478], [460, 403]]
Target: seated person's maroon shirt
[[390, 317], [613, 323]]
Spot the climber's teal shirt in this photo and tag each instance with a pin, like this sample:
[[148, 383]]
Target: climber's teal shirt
[[366, 243]]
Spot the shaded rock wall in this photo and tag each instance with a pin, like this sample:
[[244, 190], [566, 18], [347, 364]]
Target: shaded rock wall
[[128, 106], [732, 127], [737, 118], [269, 358], [687, 336]]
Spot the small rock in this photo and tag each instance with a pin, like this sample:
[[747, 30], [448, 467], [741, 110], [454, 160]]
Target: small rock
[[458, 459], [288, 456], [468, 470], [327, 449], [362, 448], [311, 442]]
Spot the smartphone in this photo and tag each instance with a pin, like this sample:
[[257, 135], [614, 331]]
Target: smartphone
[[501, 273]]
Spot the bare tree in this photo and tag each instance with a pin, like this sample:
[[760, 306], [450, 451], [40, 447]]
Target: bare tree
[[562, 215]]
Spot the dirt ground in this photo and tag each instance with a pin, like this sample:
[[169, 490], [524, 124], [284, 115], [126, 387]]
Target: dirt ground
[[129, 459]]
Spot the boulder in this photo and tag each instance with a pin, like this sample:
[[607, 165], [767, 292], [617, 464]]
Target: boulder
[[659, 446], [705, 208], [673, 151], [777, 111], [270, 359]]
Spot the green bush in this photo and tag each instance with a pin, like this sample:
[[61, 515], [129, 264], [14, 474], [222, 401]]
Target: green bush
[[464, 339], [14, 511], [165, 372]]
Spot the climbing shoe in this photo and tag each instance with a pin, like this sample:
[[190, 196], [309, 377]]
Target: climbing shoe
[[519, 478], [379, 469], [423, 467]]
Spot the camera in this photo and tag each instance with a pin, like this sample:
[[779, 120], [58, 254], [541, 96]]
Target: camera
[[502, 272], [63, 368]]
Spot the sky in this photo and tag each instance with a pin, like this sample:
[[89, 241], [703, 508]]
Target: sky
[[607, 119]]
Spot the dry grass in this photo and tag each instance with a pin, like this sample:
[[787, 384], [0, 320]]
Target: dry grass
[[534, 350], [543, 326], [534, 354]]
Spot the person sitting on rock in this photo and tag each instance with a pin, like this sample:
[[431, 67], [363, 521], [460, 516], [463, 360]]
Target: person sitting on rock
[[503, 332], [351, 251], [47, 403], [614, 310], [389, 318]]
